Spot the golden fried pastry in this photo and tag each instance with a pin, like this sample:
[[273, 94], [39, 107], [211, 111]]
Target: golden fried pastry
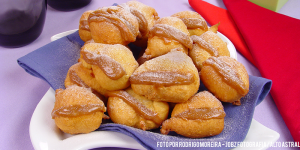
[[201, 116], [146, 17], [128, 108], [73, 78], [113, 25], [84, 29], [81, 76], [89, 41], [77, 110], [112, 65], [167, 33], [195, 23], [171, 78], [214, 28], [206, 45], [226, 78], [92, 46]]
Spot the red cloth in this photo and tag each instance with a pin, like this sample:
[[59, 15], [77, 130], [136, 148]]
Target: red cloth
[[273, 40]]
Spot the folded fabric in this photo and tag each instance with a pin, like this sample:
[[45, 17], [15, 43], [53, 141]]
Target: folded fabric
[[52, 61], [273, 40], [213, 15]]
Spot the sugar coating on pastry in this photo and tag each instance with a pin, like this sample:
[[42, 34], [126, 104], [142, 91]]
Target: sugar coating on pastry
[[167, 33], [113, 25], [73, 78], [84, 28], [84, 77], [201, 116], [112, 65], [91, 46], [195, 23], [171, 78], [146, 17], [213, 39], [206, 45], [77, 110], [226, 78], [128, 108]]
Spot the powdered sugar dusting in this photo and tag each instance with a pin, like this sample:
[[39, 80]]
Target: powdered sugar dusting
[[193, 23], [211, 37], [173, 61], [228, 71], [74, 76], [109, 66], [143, 23], [164, 30], [75, 100], [170, 69], [207, 46], [124, 20], [80, 93], [192, 20], [206, 99]]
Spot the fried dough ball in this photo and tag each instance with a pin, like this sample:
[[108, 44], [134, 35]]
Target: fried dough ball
[[73, 78], [77, 110], [92, 46], [167, 33], [112, 65], [84, 28], [226, 78], [206, 45], [81, 76], [201, 116], [146, 17], [171, 78], [195, 23], [128, 108], [113, 25]]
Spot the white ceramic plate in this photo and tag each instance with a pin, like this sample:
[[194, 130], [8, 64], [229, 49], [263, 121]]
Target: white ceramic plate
[[45, 135]]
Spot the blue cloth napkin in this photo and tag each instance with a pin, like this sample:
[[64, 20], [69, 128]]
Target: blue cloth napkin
[[52, 61]]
